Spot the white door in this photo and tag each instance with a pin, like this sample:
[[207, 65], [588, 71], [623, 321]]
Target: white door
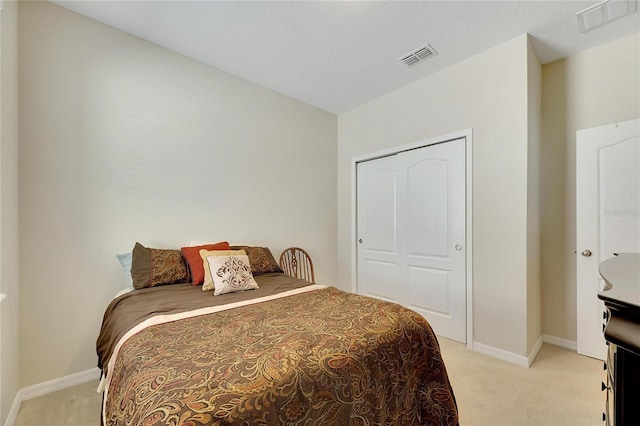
[[607, 217], [378, 249], [411, 230]]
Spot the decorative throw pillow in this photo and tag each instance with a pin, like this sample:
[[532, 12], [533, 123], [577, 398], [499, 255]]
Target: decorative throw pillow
[[208, 279], [152, 267], [231, 274], [260, 258], [192, 256]]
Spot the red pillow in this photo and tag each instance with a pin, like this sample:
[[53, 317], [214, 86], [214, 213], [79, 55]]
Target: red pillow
[[192, 256]]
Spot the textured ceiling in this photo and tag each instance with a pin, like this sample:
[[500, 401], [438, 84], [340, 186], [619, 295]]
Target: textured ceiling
[[336, 55]]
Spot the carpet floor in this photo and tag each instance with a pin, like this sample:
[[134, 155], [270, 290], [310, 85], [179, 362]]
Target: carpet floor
[[560, 388]]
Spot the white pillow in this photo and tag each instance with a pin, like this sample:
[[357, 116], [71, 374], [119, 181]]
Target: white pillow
[[194, 243], [125, 261], [208, 280], [231, 274]]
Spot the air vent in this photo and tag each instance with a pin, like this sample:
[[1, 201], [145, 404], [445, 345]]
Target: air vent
[[420, 54], [604, 12]]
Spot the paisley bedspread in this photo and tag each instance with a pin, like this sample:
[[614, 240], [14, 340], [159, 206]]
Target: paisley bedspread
[[321, 357]]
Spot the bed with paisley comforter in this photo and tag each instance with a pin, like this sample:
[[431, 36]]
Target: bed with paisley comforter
[[288, 353]]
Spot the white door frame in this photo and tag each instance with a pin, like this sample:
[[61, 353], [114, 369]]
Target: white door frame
[[468, 135]]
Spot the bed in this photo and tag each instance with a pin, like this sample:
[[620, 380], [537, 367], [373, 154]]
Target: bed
[[287, 353]]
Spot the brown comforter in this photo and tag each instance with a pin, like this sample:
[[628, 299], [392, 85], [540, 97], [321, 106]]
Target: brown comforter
[[323, 357]]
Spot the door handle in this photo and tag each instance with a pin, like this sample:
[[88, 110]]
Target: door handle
[[586, 252]]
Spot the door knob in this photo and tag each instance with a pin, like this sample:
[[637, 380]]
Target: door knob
[[586, 252]]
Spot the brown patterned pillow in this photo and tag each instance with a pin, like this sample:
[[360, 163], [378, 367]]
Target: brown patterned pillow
[[152, 267], [260, 258]]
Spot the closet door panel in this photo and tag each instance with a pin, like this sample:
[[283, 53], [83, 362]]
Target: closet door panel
[[377, 230], [428, 208], [434, 234], [429, 290]]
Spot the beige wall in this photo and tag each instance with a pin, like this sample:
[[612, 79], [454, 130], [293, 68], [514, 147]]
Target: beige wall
[[597, 87], [9, 275], [488, 93], [124, 141], [534, 128]]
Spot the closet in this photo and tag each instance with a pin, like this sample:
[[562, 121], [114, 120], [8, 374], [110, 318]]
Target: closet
[[411, 231]]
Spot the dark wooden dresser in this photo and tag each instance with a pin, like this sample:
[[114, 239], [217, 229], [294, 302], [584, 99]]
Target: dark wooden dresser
[[621, 297]]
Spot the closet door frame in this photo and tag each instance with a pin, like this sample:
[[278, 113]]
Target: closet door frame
[[468, 136]]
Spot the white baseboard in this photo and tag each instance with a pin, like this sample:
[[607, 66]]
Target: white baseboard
[[558, 341], [501, 354], [59, 384], [534, 351], [520, 359], [44, 388], [13, 413]]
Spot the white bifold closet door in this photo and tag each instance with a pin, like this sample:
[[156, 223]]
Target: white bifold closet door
[[411, 233]]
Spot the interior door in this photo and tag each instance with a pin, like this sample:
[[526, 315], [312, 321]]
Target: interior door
[[432, 211], [607, 217], [411, 233], [378, 248]]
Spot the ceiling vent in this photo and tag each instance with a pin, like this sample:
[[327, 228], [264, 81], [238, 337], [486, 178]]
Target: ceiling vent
[[420, 54], [604, 12]]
